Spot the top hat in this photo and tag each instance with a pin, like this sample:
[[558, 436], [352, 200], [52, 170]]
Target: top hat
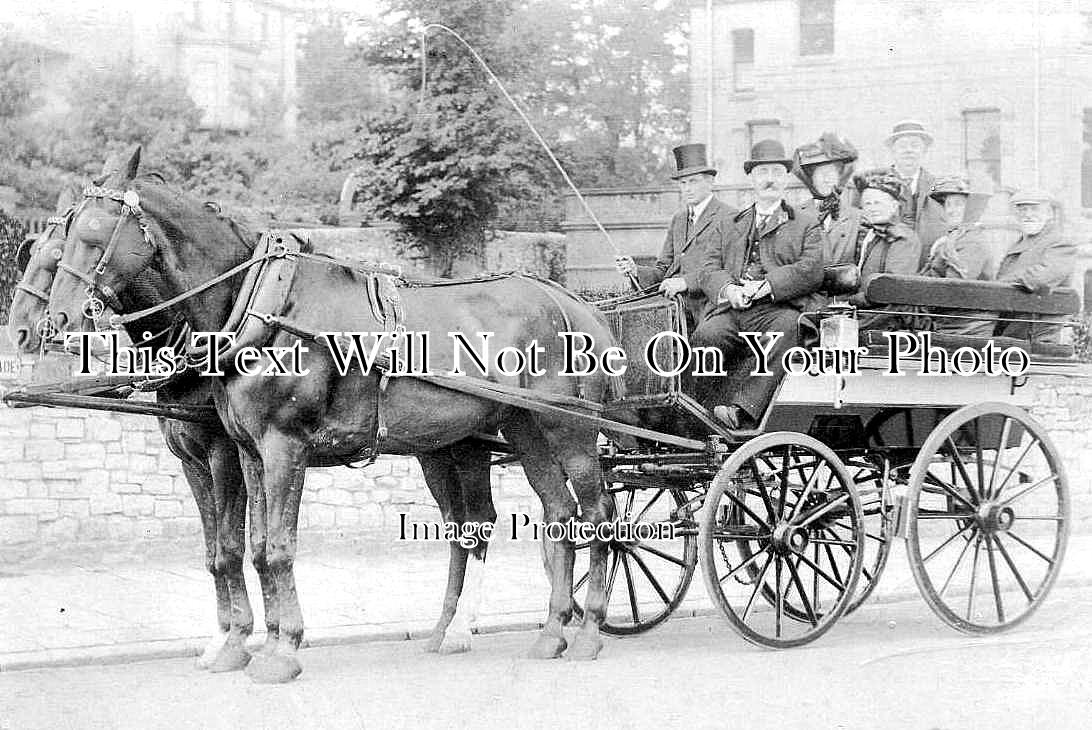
[[950, 185], [690, 160], [908, 128], [767, 152]]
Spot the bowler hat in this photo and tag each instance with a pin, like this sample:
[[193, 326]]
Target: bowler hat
[[908, 128], [690, 160], [767, 152]]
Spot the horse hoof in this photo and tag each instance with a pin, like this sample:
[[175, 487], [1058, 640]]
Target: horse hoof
[[274, 669], [212, 649], [547, 647], [268, 648], [584, 649], [455, 644], [231, 658], [432, 645]]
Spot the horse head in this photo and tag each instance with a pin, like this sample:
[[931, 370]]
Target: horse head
[[128, 229], [37, 258]]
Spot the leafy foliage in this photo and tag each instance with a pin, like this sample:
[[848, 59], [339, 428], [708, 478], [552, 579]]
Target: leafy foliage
[[442, 168], [12, 233]]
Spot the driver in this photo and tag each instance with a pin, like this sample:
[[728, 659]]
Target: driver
[[692, 230]]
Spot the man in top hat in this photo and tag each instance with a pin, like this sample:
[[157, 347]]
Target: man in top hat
[[690, 232], [758, 279], [908, 142], [1042, 259]]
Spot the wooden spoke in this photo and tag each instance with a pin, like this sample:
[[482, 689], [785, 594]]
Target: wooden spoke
[[1012, 569], [993, 580]]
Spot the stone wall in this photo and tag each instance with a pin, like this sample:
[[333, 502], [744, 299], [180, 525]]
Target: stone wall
[[70, 477]]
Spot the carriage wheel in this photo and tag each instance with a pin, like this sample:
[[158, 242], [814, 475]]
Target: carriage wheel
[[878, 513], [646, 579], [988, 512], [782, 519]]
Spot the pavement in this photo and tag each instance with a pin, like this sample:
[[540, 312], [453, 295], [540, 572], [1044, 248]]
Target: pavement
[[110, 609]]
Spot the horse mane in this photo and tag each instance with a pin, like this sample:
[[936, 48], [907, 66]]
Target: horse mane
[[181, 204]]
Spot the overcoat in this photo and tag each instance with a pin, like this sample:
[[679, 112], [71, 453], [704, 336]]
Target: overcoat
[[683, 255]]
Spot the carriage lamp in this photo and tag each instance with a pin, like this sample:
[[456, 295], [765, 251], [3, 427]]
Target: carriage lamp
[[838, 327]]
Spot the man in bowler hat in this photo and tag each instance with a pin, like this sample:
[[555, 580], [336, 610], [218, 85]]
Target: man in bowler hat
[[764, 271], [694, 228]]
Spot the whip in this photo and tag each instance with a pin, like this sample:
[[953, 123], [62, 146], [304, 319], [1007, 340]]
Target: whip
[[493, 77]]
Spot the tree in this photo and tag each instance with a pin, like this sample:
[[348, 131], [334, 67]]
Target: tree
[[612, 87], [441, 164]]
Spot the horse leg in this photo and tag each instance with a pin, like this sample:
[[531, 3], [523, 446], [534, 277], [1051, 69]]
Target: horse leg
[[472, 468], [546, 477], [252, 476], [284, 461], [200, 481], [575, 449], [231, 503], [438, 468]]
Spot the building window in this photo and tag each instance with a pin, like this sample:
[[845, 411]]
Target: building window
[[760, 129], [816, 27], [982, 146], [743, 59]]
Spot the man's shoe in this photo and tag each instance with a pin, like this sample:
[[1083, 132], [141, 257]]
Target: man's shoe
[[735, 418]]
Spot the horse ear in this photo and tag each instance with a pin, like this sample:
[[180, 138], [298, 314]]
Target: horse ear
[[65, 199], [133, 164]]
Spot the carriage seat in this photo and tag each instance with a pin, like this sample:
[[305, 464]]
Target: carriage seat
[[957, 294]]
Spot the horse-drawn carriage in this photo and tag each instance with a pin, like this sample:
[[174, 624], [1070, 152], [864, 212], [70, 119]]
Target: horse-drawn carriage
[[793, 520]]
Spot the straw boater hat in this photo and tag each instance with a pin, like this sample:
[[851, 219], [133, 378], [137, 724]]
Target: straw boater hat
[[767, 152], [909, 128], [690, 160]]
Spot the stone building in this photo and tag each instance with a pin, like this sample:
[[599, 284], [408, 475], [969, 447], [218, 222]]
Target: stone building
[[235, 55], [1004, 85]]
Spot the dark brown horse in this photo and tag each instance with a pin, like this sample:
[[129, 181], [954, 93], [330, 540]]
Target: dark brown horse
[[283, 424], [209, 458]]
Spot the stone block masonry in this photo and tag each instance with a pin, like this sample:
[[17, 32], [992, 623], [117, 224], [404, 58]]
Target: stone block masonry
[[71, 478]]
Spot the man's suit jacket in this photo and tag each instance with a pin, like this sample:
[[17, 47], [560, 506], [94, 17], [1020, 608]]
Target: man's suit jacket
[[790, 248], [683, 255], [929, 222]]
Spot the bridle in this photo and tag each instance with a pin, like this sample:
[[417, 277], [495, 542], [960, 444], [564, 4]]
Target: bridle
[[51, 225], [99, 295]]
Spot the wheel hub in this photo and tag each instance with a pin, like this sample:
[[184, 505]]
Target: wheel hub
[[788, 538], [993, 517]]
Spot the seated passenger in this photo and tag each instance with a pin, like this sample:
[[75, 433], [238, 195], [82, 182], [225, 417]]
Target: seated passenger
[[692, 229], [884, 245], [970, 252], [1041, 260], [825, 167], [763, 272]]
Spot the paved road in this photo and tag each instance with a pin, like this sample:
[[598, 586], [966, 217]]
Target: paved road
[[889, 666]]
